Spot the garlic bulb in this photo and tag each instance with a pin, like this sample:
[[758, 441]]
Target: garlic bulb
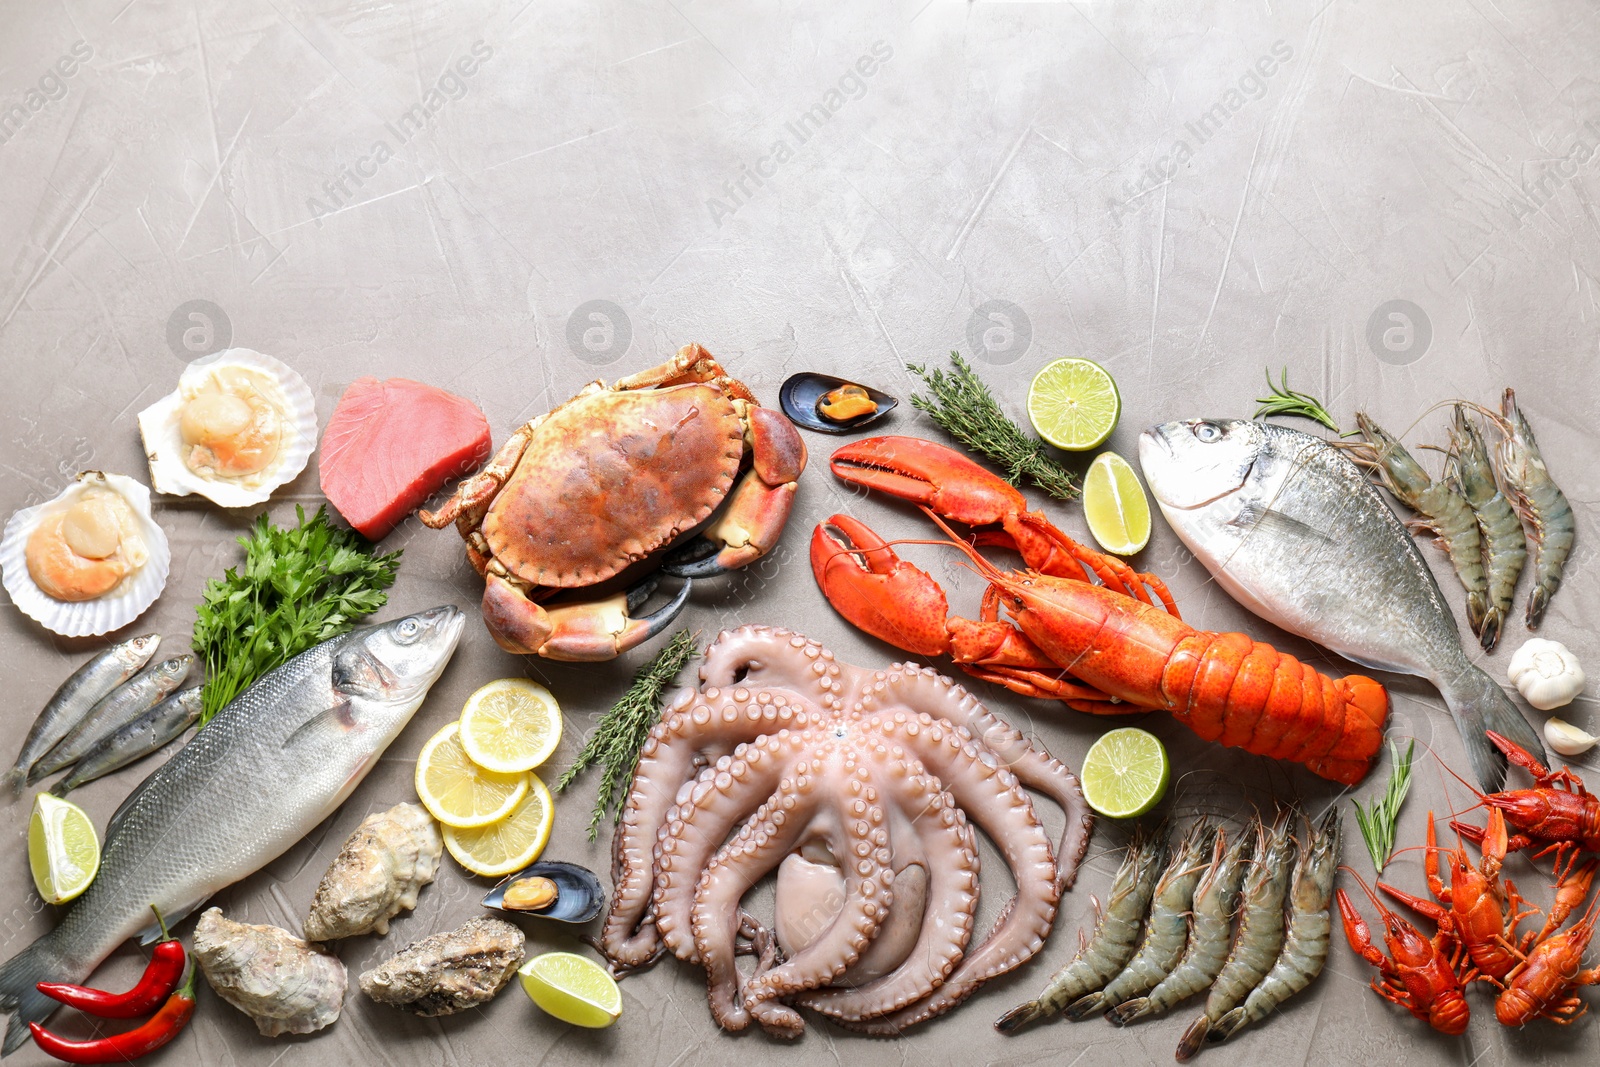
[[1546, 673], [1566, 738]]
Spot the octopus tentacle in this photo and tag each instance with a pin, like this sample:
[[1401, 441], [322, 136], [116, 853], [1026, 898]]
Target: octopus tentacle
[[855, 834], [776, 659], [703, 730], [994, 799], [756, 849], [719, 800], [925, 689], [947, 849]]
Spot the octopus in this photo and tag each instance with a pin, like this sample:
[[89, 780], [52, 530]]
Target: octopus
[[863, 789]]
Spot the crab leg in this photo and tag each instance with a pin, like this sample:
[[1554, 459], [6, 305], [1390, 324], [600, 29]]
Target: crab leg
[[692, 364], [467, 505], [580, 632]]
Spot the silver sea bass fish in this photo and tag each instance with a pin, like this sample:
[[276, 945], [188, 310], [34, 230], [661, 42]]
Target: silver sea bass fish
[[1293, 530], [266, 770]]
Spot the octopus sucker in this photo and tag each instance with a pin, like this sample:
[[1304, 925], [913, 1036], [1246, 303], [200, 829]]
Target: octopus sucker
[[864, 791]]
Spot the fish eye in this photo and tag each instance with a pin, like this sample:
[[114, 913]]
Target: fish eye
[[408, 629], [1208, 432]]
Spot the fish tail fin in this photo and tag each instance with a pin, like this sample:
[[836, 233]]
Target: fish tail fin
[[12, 781], [1479, 704], [19, 994], [63, 787]]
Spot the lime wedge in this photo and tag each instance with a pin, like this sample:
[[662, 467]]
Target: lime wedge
[[1125, 773], [1074, 404], [573, 988], [1115, 506], [63, 849]]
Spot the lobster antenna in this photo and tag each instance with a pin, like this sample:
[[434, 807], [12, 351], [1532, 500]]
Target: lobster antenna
[[989, 571], [1365, 888]]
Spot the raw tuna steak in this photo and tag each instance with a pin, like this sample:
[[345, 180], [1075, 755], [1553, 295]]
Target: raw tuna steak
[[392, 444]]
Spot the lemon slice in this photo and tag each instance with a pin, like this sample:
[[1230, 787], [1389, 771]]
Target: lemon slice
[[509, 844], [1125, 773], [1074, 404], [457, 791], [510, 725], [1115, 506], [63, 849], [573, 988]]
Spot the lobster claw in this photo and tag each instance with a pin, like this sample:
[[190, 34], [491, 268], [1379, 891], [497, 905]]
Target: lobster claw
[[928, 473], [876, 590]]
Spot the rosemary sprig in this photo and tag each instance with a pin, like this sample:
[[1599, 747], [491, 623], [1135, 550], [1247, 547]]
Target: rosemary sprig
[[1378, 819], [623, 729], [965, 409], [1281, 400]]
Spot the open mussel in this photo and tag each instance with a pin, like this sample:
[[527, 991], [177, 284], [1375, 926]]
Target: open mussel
[[550, 889], [827, 404]]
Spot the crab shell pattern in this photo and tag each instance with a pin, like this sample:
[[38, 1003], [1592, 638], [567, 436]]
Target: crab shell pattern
[[611, 477]]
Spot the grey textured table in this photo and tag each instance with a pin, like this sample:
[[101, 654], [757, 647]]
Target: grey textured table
[[1185, 193]]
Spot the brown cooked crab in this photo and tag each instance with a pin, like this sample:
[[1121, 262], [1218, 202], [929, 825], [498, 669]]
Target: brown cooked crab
[[611, 477]]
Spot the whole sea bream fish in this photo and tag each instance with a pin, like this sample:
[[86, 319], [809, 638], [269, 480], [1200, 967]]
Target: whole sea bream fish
[[1293, 530], [259, 777]]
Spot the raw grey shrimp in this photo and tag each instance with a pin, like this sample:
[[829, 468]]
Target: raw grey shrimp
[[1504, 550], [1305, 949], [1444, 511], [1260, 937], [1114, 939], [1210, 932], [1166, 928], [1539, 502]]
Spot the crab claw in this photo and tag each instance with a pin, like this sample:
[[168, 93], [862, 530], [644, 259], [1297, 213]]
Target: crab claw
[[586, 631], [876, 590], [929, 474]]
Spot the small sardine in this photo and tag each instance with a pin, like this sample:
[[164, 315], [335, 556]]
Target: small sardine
[[125, 703], [136, 740], [77, 695]]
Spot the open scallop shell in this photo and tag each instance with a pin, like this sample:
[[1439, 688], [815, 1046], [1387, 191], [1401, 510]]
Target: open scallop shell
[[163, 440], [86, 618]]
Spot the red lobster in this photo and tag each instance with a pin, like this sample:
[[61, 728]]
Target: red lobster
[[1422, 976], [1107, 649], [1558, 813]]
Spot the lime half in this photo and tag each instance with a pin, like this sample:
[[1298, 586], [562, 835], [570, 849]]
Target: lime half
[[573, 988], [1074, 404], [1115, 506], [1125, 773], [63, 849]]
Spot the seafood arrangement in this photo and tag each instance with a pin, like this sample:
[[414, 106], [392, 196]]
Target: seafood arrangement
[[855, 799], [621, 472], [1164, 932], [1292, 529], [860, 788], [1107, 649]]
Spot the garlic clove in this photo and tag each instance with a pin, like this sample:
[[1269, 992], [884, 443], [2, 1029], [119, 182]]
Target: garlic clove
[[1566, 738]]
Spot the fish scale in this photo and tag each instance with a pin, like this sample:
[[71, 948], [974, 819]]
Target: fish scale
[[259, 777], [1294, 531]]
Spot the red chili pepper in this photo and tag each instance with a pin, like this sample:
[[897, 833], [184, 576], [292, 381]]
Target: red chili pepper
[[160, 1028], [161, 976]]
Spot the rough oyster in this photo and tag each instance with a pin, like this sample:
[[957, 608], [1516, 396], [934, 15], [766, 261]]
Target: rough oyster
[[450, 972], [284, 984], [378, 874]]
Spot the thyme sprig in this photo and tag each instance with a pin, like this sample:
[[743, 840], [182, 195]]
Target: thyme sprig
[[622, 730], [964, 408], [1378, 819], [1281, 400]]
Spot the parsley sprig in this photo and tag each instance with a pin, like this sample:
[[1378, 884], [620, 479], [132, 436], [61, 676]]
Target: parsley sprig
[[622, 730], [296, 588]]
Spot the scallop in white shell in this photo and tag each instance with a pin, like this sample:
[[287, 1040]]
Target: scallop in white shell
[[127, 599], [239, 425]]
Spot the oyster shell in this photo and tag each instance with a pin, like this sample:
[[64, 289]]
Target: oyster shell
[[377, 875], [239, 425], [139, 553], [450, 972], [284, 984]]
